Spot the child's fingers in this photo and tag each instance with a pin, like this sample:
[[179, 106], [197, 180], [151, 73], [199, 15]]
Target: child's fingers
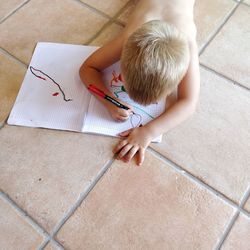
[[121, 119], [131, 153], [141, 156], [124, 113], [119, 146], [122, 116], [124, 150]]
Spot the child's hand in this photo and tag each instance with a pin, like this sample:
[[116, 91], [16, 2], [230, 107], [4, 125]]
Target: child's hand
[[119, 114], [137, 140]]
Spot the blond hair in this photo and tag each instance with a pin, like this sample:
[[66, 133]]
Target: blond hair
[[154, 60]]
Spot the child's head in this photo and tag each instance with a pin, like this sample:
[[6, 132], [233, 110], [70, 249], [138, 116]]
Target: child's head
[[154, 60]]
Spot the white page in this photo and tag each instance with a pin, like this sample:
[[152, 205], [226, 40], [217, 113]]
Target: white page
[[40, 103], [98, 119]]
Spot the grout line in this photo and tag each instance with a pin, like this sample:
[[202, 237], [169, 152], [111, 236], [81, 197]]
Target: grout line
[[114, 18], [13, 57], [75, 206], [111, 21], [81, 198], [2, 124], [47, 241], [243, 211], [106, 25], [13, 11], [233, 220], [99, 12], [24, 214], [119, 23], [21, 63], [246, 4], [6, 119], [227, 230], [44, 243], [213, 35], [245, 198], [61, 247], [193, 178], [225, 77]]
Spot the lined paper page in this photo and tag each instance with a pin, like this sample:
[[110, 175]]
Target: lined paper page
[[98, 119], [52, 94]]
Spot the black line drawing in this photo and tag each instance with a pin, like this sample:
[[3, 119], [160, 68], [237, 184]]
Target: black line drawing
[[33, 70]]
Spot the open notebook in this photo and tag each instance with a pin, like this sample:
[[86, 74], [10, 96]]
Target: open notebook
[[53, 96]]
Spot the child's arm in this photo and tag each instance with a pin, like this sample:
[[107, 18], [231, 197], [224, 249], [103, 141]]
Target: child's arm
[[90, 73], [188, 94]]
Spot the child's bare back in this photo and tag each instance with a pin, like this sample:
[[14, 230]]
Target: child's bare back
[[178, 13]]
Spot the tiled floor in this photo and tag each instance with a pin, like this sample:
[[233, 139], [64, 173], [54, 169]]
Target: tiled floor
[[193, 190]]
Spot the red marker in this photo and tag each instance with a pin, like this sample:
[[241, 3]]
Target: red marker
[[100, 93]]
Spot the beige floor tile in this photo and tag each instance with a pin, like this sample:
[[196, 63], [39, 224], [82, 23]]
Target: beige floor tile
[[227, 53], [107, 35], [207, 16], [148, 207], [6, 7], [62, 21], [110, 7], [16, 233], [11, 77], [213, 144], [247, 1], [238, 237], [45, 171]]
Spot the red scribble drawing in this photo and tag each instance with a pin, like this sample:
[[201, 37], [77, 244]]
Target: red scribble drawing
[[43, 76], [116, 78]]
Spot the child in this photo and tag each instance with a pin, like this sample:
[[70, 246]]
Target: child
[[158, 54]]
